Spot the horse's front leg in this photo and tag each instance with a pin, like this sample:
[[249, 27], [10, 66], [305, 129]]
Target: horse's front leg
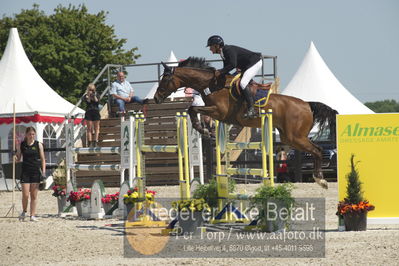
[[207, 110], [204, 110], [195, 122]]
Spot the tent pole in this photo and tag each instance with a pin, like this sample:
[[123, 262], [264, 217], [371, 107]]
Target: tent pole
[[12, 208]]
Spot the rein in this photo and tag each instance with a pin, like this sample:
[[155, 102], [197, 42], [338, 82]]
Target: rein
[[168, 77]]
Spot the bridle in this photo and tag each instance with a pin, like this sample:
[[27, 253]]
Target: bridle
[[167, 75]]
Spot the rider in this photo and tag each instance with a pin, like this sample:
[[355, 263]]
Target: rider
[[236, 57]]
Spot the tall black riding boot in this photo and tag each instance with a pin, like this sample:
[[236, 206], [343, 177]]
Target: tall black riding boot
[[250, 103]]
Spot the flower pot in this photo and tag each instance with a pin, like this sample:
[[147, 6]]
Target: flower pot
[[83, 208], [129, 208], [107, 207], [61, 200], [190, 222], [270, 221], [355, 221]]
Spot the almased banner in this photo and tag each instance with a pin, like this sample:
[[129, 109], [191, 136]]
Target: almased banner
[[374, 140]]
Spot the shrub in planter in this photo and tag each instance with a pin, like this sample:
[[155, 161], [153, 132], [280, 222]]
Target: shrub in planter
[[277, 197], [208, 192], [191, 214], [354, 208]]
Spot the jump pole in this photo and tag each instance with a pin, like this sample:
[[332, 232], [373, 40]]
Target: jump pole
[[144, 216], [228, 211], [181, 149], [125, 151]]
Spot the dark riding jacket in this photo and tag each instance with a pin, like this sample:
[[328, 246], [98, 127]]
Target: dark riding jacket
[[237, 57]]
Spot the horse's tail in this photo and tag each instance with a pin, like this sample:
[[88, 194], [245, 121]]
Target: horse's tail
[[323, 115]]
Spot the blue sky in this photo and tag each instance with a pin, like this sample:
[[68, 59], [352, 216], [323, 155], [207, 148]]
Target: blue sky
[[358, 39]]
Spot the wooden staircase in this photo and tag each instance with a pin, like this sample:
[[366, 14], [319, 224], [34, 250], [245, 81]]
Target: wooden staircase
[[109, 137], [160, 128]]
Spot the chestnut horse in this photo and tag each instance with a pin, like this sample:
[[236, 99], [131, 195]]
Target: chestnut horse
[[293, 117]]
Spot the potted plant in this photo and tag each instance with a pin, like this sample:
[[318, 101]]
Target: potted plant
[[354, 208], [191, 214], [276, 198], [209, 193], [81, 199], [132, 197], [59, 174], [59, 191], [109, 201]]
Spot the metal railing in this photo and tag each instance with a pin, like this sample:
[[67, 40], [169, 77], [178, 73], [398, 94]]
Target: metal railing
[[107, 68], [263, 75]]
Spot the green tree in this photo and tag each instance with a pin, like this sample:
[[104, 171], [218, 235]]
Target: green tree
[[386, 106], [68, 48]]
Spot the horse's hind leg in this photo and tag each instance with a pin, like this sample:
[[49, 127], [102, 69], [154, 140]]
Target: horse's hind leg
[[318, 174], [304, 144]]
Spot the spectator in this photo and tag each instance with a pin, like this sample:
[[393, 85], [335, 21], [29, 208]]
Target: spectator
[[92, 115], [282, 169], [209, 125], [122, 92], [33, 166]]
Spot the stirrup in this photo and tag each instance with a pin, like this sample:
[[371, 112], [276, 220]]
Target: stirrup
[[250, 113]]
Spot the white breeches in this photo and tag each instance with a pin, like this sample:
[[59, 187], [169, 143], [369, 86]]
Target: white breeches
[[250, 73]]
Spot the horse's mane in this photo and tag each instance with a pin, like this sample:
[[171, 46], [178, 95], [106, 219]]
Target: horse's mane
[[196, 62]]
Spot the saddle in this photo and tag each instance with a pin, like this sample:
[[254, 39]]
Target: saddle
[[260, 92], [233, 83]]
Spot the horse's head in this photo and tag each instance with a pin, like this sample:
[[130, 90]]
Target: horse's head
[[193, 72], [167, 85]]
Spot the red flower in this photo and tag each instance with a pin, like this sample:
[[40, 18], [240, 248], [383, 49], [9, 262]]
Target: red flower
[[111, 198], [59, 190], [346, 207], [80, 195]]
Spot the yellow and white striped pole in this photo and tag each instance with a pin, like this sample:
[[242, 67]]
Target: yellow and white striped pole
[[263, 148], [180, 154], [186, 155], [270, 142]]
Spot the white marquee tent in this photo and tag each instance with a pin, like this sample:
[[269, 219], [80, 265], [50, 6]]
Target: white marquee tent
[[36, 104], [180, 92], [314, 81]]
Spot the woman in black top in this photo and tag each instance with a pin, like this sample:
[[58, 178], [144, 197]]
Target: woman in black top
[[92, 115], [33, 165]]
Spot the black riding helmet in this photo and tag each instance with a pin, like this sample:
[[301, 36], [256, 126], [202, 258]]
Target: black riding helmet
[[215, 39]]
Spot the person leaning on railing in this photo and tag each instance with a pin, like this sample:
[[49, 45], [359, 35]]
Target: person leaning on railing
[[122, 92], [92, 115]]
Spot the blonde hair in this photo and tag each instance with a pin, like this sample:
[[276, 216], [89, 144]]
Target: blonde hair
[[91, 86]]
